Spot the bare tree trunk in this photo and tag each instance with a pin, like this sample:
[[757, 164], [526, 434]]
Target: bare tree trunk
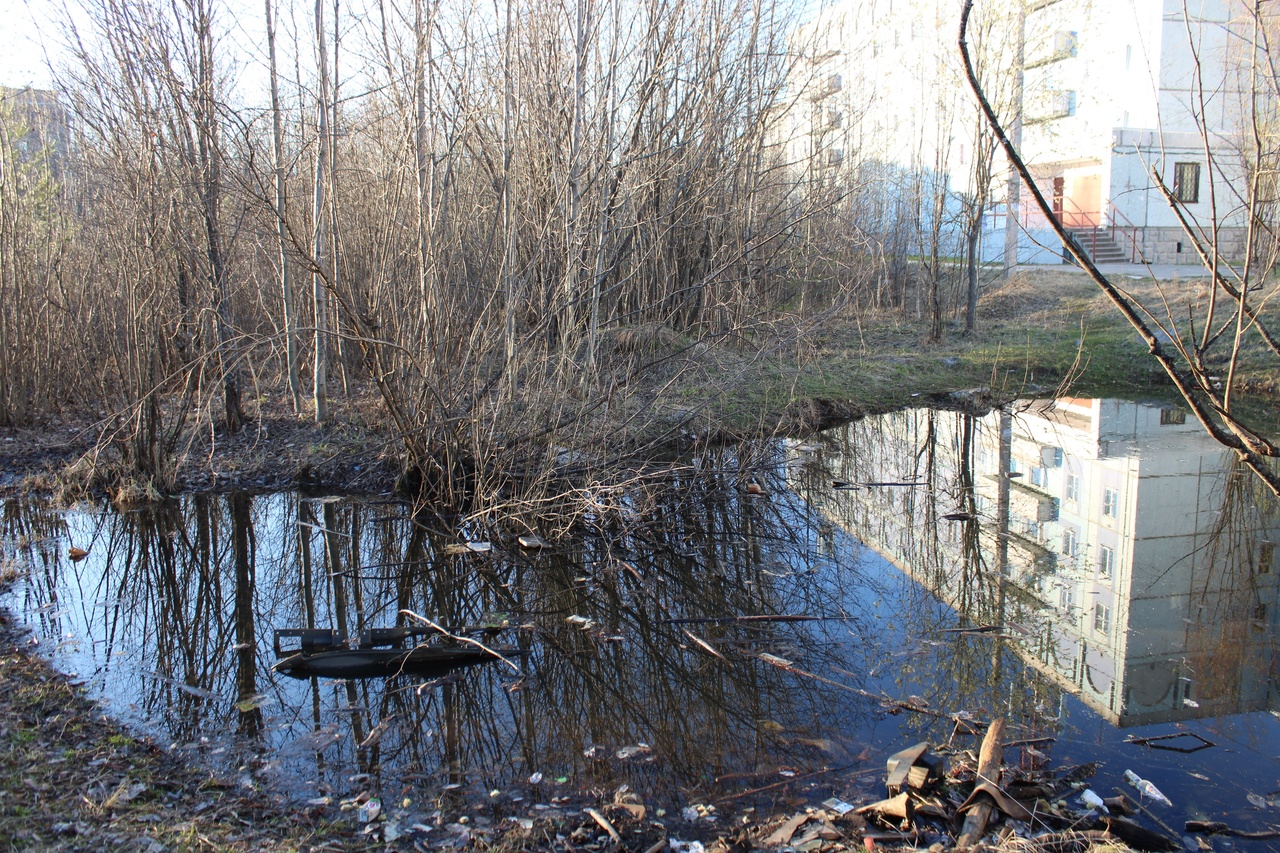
[[318, 290], [427, 296], [508, 224], [1013, 205], [211, 193], [335, 222], [971, 275], [277, 156], [572, 235]]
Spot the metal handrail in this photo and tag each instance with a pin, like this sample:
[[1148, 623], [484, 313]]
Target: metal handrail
[[1111, 223], [1133, 232]]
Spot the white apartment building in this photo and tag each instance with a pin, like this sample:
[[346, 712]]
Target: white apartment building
[[1124, 551], [1112, 95]]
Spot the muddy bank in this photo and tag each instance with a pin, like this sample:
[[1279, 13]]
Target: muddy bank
[[72, 779]]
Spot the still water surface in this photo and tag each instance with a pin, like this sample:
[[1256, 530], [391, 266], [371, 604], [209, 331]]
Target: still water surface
[[1122, 565]]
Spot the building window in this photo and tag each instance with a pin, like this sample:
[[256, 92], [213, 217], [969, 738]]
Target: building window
[[1073, 488], [1102, 618], [1106, 563], [1064, 44], [1266, 553], [1110, 503], [1172, 417], [1128, 56], [1067, 598], [1039, 477], [1069, 544], [1186, 182]]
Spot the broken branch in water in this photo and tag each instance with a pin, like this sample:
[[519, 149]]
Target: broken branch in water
[[703, 644], [788, 666], [1211, 827], [790, 781], [455, 637], [780, 618]]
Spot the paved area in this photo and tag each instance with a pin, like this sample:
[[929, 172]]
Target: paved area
[[1161, 272]]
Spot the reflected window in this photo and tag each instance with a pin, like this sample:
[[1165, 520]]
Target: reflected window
[[1102, 618], [1067, 598], [1110, 503], [1266, 553], [1106, 562], [1073, 488], [1069, 542], [1039, 477]]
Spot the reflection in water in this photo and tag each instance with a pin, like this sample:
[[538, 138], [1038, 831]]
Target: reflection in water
[[1118, 560], [1129, 553], [169, 620]]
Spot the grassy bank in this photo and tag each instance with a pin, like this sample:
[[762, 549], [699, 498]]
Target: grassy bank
[[1045, 331]]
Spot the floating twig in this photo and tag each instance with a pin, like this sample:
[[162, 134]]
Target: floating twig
[[456, 638]]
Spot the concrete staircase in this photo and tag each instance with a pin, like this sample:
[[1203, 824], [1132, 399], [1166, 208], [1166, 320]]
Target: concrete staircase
[[1102, 249]]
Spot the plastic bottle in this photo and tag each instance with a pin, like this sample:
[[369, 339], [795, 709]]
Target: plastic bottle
[[1093, 801], [1145, 788]]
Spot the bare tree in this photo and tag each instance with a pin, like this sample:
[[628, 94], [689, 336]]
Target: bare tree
[[281, 199], [319, 218]]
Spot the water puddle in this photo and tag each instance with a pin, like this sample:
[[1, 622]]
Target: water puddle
[[1091, 570]]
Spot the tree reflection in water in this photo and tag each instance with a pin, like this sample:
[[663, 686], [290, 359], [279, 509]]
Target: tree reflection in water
[[169, 619]]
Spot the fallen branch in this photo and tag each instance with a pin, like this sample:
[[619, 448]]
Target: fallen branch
[[1149, 813], [990, 759], [712, 620], [784, 782], [456, 638], [1211, 827]]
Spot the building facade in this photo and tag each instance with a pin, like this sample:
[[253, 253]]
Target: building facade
[[1128, 112], [1124, 553]]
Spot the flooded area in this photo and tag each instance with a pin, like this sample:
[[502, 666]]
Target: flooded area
[[1092, 571]]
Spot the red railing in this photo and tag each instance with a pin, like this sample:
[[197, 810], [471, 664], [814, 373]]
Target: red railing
[[1088, 225], [1135, 255]]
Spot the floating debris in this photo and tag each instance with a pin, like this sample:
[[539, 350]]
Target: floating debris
[[1146, 788], [370, 810], [632, 751]]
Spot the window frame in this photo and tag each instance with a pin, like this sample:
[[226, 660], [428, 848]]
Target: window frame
[[1106, 562], [1101, 613], [1111, 503], [1181, 192]]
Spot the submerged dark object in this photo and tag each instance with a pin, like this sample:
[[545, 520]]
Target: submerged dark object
[[378, 653]]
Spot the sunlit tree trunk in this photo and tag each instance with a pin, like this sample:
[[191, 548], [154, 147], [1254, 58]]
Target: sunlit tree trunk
[[282, 239], [320, 247], [210, 156]]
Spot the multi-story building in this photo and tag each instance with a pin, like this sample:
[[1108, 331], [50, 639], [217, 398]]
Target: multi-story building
[[1127, 554], [35, 123], [1108, 100]]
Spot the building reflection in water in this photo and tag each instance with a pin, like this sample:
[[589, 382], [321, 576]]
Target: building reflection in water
[[1128, 556]]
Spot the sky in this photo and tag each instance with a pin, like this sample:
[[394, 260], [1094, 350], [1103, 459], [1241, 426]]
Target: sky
[[21, 57], [28, 34]]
